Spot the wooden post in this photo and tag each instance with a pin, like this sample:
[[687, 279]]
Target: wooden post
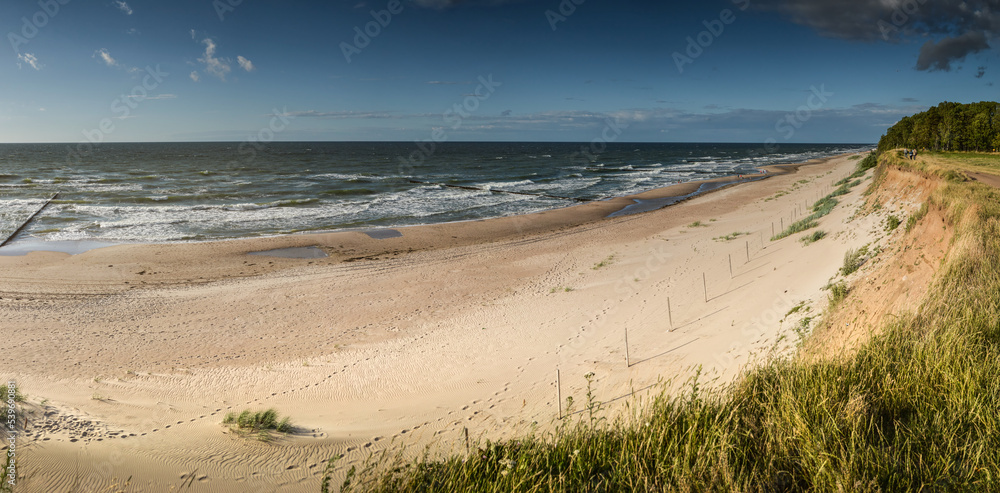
[[782, 224], [628, 364], [559, 392], [704, 283], [30, 218], [730, 266], [670, 315], [772, 229], [748, 251]]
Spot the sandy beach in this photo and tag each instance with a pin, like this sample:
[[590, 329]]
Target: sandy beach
[[131, 355]]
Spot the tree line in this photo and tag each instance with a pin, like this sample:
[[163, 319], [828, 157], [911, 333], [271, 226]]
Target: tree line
[[948, 127]]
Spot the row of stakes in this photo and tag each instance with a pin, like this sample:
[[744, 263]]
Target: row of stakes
[[704, 281]]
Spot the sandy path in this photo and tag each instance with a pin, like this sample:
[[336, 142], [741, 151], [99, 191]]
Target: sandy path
[[410, 346]]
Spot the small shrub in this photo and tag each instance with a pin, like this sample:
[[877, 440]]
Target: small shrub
[[261, 421], [916, 217], [891, 223], [853, 260], [838, 292], [816, 236]]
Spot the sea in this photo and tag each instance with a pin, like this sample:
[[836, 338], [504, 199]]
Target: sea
[[184, 192]]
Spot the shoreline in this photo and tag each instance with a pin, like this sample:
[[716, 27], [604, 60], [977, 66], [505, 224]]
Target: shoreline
[[642, 202]]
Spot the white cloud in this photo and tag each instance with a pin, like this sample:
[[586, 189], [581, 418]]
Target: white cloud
[[106, 57], [193, 35], [30, 59], [195, 77], [215, 66], [246, 64], [123, 7]]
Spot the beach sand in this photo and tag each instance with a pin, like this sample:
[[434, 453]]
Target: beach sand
[[132, 355]]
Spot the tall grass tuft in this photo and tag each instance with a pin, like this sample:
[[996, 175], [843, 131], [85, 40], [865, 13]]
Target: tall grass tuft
[[260, 422]]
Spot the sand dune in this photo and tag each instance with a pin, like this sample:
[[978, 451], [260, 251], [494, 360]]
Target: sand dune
[[132, 355]]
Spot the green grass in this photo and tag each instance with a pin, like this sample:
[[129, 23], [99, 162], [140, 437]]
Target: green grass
[[813, 238], [18, 396], [731, 236], [914, 408], [838, 292], [825, 205], [697, 224], [892, 222], [261, 422], [604, 263], [916, 217], [854, 259]]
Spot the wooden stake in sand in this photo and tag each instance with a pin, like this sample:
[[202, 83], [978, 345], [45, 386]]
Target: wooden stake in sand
[[748, 251], [30, 218], [704, 283], [559, 392], [730, 266], [670, 315], [628, 364]]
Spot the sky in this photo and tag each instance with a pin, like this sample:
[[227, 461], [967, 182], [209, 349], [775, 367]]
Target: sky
[[811, 71]]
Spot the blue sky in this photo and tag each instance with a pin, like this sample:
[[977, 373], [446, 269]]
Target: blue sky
[[555, 70]]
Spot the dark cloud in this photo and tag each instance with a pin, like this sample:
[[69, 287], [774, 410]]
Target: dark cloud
[[506, 113], [938, 56], [910, 100], [961, 27], [980, 72]]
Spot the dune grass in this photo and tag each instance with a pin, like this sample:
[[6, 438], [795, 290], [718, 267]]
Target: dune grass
[[813, 238], [913, 409], [825, 205], [261, 422], [731, 236]]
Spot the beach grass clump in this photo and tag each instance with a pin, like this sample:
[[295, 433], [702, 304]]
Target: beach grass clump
[[912, 408], [261, 422], [854, 258], [18, 396], [604, 263], [813, 238], [731, 236], [838, 292], [892, 222], [697, 224], [916, 217]]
